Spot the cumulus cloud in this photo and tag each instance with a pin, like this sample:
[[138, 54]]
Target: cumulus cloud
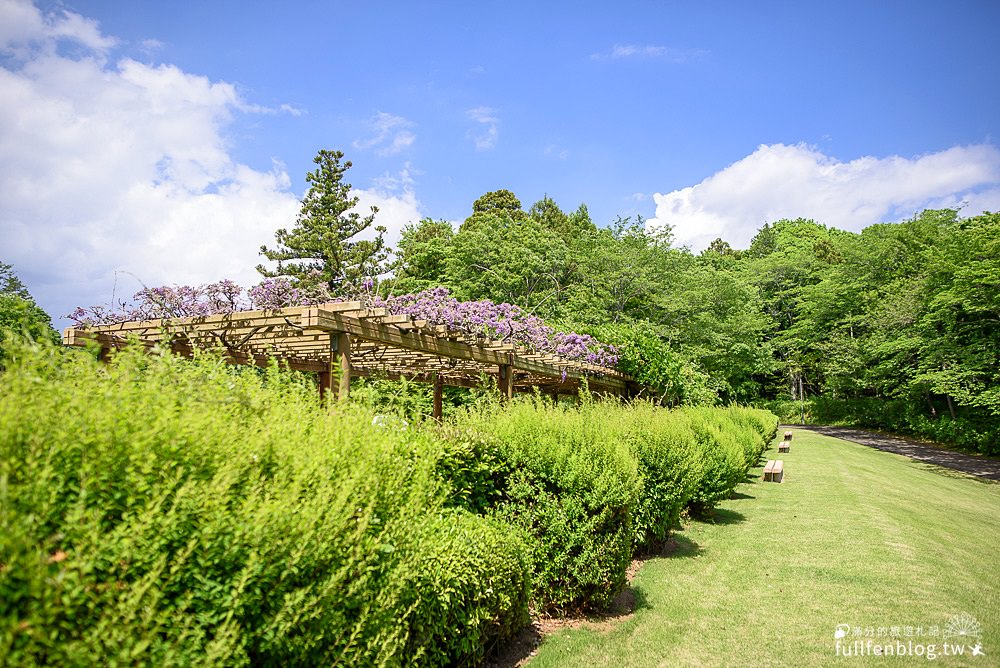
[[486, 135], [670, 53], [396, 200], [390, 134], [113, 169], [781, 181], [23, 29], [555, 151]]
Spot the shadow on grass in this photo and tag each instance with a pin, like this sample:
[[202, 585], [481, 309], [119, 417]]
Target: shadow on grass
[[676, 546], [625, 604], [517, 650], [679, 546], [951, 473], [719, 516], [741, 495]]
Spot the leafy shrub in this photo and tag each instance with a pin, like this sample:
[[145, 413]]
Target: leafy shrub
[[163, 511], [671, 466], [732, 442], [571, 487], [20, 315], [590, 484], [476, 573], [645, 355], [723, 460]]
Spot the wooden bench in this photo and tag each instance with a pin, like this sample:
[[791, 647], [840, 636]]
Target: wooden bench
[[774, 470], [788, 436], [784, 446]]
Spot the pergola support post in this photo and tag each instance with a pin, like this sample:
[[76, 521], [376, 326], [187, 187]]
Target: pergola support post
[[507, 380], [340, 358], [438, 411]]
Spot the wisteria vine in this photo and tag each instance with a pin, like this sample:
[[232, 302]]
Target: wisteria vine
[[502, 322]]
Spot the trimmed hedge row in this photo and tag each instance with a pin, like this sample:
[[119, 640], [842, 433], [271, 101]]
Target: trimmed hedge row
[[164, 512], [173, 512], [591, 485]]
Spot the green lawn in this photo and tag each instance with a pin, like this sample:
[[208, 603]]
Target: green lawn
[[853, 536]]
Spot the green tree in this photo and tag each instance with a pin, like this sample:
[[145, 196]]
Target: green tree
[[19, 314], [620, 271], [499, 201], [958, 327], [10, 284], [324, 246], [502, 253], [784, 260], [571, 227], [714, 315], [422, 256]]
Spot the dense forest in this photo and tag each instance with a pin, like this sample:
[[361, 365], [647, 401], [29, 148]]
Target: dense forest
[[895, 327]]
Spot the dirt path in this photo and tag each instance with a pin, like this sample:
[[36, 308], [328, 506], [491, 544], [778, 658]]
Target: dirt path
[[981, 467]]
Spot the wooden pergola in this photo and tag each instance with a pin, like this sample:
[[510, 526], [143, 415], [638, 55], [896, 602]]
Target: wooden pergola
[[342, 340]]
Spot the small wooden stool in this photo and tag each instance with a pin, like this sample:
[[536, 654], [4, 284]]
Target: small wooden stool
[[784, 446], [774, 470]]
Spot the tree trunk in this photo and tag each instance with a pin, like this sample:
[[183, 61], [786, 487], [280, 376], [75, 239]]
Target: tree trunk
[[930, 404], [951, 406]]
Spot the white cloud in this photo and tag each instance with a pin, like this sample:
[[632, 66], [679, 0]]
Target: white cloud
[[673, 54], [391, 134], [116, 168], [23, 29], [488, 133], [780, 181], [150, 45], [396, 201], [290, 110], [395, 211], [555, 151]]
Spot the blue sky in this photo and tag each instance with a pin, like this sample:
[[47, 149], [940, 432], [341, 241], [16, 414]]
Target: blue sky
[[164, 142]]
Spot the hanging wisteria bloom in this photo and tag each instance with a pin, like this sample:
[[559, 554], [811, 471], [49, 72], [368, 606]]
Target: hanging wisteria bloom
[[500, 322]]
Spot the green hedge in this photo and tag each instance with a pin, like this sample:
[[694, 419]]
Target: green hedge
[[168, 512], [591, 484], [176, 512], [732, 441], [571, 487]]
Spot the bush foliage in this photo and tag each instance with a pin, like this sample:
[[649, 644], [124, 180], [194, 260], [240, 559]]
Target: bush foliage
[[160, 511], [590, 485], [164, 511]]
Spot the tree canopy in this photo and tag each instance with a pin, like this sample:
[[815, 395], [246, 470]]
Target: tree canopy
[[19, 314], [904, 311], [327, 245]]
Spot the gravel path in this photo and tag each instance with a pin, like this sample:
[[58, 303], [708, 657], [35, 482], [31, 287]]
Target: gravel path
[[981, 467]]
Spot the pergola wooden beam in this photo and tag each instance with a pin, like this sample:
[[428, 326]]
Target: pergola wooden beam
[[345, 339]]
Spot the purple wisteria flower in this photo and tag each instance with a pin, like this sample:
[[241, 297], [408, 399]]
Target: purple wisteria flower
[[477, 319]]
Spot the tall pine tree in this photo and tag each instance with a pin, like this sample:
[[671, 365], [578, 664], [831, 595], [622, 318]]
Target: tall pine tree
[[323, 248]]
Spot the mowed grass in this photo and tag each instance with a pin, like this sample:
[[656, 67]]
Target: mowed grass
[[852, 536]]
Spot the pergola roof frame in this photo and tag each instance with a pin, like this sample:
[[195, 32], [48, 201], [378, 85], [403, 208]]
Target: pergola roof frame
[[316, 338]]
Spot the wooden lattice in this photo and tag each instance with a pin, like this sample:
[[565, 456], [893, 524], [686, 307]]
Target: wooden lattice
[[347, 339]]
